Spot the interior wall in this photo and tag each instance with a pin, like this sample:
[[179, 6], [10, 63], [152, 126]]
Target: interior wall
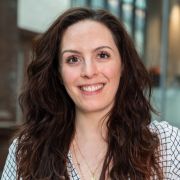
[[153, 34], [153, 41], [9, 44], [174, 40]]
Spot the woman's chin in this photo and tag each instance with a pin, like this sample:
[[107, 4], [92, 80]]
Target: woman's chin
[[94, 108]]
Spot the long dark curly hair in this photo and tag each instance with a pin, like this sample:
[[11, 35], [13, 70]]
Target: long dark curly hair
[[44, 139]]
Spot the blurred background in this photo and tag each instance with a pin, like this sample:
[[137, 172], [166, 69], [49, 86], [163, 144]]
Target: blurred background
[[153, 25]]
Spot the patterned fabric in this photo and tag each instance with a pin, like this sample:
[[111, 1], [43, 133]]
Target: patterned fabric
[[169, 150]]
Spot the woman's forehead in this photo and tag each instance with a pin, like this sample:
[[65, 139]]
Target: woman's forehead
[[87, 33]]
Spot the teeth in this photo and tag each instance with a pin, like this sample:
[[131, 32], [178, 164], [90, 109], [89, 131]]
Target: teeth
[[92, 88]]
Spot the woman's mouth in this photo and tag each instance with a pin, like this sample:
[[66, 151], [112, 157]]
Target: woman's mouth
[[92, 89]]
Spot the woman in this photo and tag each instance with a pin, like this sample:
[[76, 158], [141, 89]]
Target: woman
[[87, 109]]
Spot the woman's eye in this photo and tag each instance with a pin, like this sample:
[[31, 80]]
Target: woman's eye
[[103, 55], [72, 60]]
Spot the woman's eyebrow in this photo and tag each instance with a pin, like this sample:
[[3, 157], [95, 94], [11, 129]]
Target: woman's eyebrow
[[102, 47], [70, 51], [78, 52]]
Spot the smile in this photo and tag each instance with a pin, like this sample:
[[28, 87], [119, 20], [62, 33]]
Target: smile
[[92, 88]]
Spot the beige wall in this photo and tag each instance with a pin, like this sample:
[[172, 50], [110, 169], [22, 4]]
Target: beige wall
[[36, 16], [153, 34], [174, 39], [153, 42]]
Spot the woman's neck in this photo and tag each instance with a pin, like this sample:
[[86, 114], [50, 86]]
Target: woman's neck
[[89, 145], [91, 126]]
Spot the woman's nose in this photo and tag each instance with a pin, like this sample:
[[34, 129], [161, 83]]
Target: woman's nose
[[89, 69]]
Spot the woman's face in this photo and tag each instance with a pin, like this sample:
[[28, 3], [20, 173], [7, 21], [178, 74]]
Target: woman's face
[[90, 66]]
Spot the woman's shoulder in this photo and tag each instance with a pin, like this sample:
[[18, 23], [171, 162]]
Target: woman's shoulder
[[9, 171], [169, 137], [164, 129], [13, 145]]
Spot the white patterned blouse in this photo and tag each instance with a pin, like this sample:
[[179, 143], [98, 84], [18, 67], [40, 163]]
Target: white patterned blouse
[[169, 148]]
